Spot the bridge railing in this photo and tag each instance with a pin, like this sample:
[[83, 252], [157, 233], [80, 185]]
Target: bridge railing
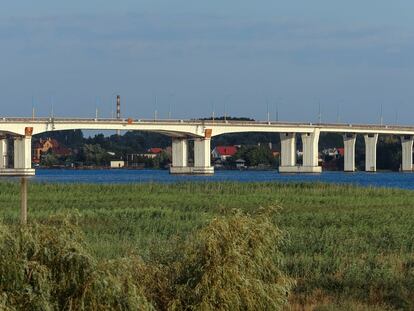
[[198, 121]]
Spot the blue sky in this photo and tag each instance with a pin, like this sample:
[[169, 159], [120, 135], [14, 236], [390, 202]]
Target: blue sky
[[352, 57]]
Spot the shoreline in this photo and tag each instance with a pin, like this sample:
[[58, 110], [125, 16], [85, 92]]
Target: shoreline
[[251, 169]]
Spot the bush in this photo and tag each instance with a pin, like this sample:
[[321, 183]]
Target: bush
[[48, 268], [232, 264]]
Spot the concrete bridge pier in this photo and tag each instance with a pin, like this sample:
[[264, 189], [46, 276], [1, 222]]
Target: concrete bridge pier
[[287, 153], [22, 163], [3, 152], [202, 156], [349, 152], [23, 154], [180, 156], [407, 153], [371, 152], [310, 152]]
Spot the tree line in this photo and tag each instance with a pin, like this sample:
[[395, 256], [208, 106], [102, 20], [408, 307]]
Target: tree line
[[255, 148]]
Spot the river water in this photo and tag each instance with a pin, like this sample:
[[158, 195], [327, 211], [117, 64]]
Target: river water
[[380, 179]]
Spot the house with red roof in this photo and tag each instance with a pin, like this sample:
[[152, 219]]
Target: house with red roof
[[223, 152], [155, 150], [341, 151], [49, 145]]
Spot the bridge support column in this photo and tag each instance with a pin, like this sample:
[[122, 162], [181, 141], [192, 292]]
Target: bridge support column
[[349, 152], [180, 156], [22, 155], [3, 153], [371, 152], [310, 152], [288, 153], [202, 156], [407, 153]]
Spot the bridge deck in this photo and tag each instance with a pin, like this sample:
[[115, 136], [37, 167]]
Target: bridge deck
[[194, 126]]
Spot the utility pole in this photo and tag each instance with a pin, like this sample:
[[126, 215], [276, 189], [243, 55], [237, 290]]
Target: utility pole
[[33, 109], [320, 113], [172, 101], [278, 101], [268, 113], [381, 116], [276, 113], [338, 118], [52, 110], [155, 104], [225, 106], [396, 116]]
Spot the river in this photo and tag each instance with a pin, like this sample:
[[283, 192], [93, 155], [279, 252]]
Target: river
[[379, 179]]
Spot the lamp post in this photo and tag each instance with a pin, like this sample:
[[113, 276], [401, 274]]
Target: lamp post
[[226, 98]]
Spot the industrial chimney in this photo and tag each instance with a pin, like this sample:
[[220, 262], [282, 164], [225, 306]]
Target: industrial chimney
[[118, 107], [118, 110]]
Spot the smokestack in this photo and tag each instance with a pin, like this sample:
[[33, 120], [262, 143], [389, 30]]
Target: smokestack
[[118, 106], [118, 111]]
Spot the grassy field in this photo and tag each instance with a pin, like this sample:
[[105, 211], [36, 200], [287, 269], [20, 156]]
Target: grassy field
[[347, 247]]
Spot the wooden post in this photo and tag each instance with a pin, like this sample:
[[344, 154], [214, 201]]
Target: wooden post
[[23, 203]]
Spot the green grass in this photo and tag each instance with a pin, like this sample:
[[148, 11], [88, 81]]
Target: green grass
[[345, 243]]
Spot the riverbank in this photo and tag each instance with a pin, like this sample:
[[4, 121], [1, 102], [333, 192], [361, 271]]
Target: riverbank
[[347, 246]]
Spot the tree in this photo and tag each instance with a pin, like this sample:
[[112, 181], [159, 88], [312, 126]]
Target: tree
[[95, 154], [49, 160], [256, 155]]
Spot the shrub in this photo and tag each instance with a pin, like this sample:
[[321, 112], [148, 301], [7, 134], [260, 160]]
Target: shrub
[[47, 267], [233, 264]]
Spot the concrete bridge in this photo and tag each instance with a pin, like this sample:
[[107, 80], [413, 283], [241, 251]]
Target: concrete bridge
[[201, 131]]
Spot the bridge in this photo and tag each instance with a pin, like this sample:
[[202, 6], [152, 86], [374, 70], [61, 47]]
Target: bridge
[[201, 132]]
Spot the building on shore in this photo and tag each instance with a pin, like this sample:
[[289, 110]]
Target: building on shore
[[223, 152], [240, 164], [49, 145], [138, 159], [117, 164]]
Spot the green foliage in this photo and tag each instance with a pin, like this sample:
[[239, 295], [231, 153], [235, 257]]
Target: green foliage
[[346, 243], [129, 143], [49, 268], [389, 153], [330, 140], [135, 142], [95, 154], [256, 155], [233, 264], [50, 160], [72, 138], [160, 161], [93, 150]]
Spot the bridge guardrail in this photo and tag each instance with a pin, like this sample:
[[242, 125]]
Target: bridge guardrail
[[205, 122]]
